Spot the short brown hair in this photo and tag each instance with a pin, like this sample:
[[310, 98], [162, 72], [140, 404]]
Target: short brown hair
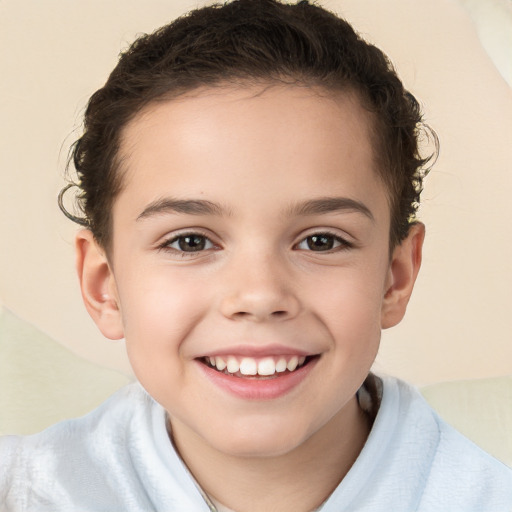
[[239, 42]]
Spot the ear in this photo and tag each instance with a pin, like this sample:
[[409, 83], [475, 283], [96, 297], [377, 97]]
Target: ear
[[403, 270], [98, 287]]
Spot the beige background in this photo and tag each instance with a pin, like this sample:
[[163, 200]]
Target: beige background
[[54, 54]]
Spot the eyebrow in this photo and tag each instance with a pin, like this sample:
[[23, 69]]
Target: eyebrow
[[185, 206], [325, 205], [320, 206]]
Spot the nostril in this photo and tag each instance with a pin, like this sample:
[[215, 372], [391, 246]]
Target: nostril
[[274, 314]]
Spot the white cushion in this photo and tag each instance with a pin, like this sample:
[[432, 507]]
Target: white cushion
[[481, 409], [41, 382]]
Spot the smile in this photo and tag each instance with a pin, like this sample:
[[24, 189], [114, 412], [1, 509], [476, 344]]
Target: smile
[[256, 367], [257, 377]]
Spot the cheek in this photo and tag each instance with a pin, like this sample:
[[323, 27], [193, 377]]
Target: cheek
[[349, 306], [349, 296], [159, 310]]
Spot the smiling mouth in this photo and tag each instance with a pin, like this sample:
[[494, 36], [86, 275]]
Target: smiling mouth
[[257, 368]]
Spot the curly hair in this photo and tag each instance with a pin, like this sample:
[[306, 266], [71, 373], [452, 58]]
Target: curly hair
[[241, 42]]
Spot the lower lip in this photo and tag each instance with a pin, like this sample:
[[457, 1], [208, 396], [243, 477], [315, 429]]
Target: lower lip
[[258, 389]]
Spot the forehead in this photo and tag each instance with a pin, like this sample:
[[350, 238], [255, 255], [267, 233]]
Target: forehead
[[283, 141]]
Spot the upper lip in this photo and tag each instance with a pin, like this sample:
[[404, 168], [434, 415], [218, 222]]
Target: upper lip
[[257, 351]]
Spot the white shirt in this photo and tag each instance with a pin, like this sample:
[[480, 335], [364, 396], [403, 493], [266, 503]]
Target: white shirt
[[119, 458]]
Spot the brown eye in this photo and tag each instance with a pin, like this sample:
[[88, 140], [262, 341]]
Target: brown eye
[[190, 243], [322, 242]]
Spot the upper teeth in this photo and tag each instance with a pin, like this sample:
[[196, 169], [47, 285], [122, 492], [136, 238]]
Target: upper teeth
[[251, 366]]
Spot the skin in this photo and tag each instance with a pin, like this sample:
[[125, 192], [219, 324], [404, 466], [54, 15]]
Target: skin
[[256, 153]]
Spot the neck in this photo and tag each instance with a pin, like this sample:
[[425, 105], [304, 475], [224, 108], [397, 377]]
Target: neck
[[299, 481]]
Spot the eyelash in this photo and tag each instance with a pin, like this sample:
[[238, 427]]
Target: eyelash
[[338, 243]]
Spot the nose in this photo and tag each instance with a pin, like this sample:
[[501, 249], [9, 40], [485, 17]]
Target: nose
[[259, 290]]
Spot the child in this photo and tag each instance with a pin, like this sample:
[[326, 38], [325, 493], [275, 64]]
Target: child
[[249, 177]]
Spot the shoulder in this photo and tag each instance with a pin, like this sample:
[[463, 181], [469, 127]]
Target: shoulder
[[118, 457], [76, 432], [457, 473], [42, 468]]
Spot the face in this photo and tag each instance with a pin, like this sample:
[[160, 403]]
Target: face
[[250, 270]]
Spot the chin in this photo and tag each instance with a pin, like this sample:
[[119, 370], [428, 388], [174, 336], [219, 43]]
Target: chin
[[261, 441]]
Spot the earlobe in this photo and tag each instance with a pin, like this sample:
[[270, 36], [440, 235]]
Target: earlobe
[[98, 285], [403, 270]]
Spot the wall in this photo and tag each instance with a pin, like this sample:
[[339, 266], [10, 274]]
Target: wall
[[54, 54]]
